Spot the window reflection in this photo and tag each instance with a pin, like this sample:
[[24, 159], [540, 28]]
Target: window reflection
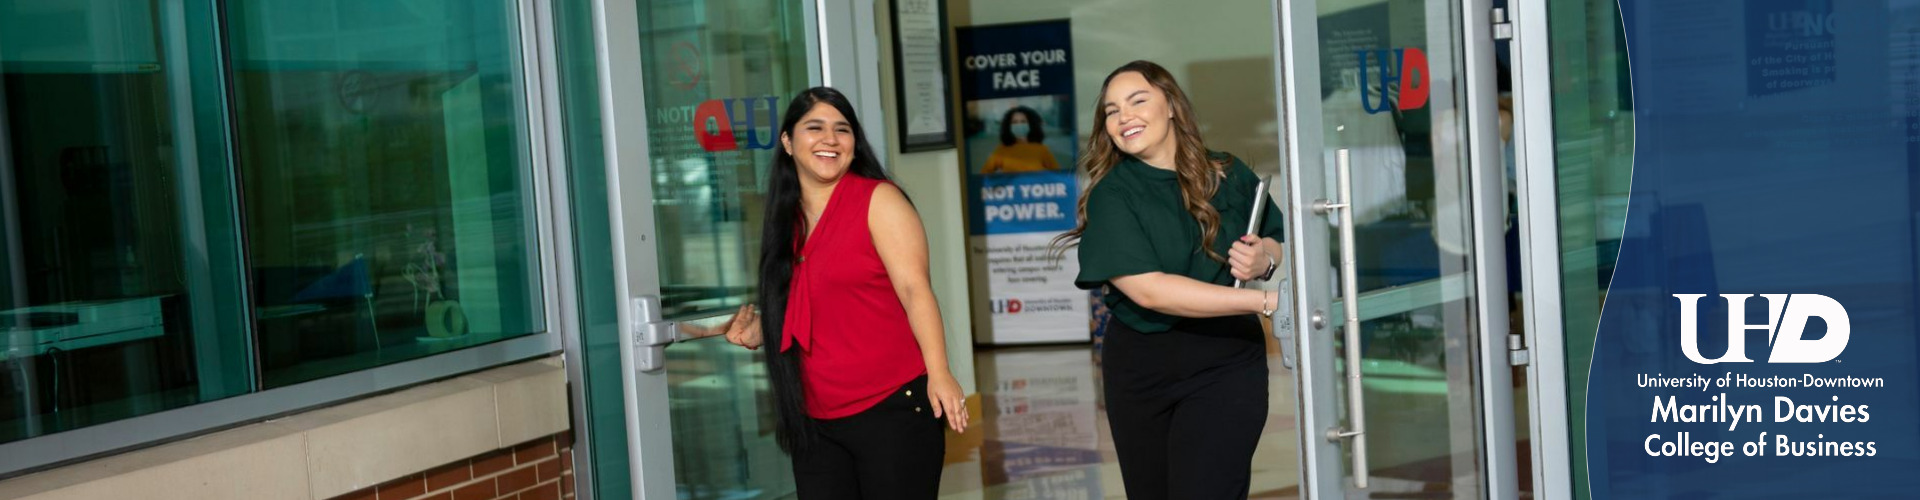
[[97, 322], [384, 172]]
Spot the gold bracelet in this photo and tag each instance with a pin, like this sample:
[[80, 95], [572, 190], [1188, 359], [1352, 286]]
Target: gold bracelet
[[1264, 311]]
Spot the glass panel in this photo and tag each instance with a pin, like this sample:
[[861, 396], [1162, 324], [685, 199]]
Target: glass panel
[[1593, 152], [108, 306], [723, 422], [717, 70], [1393, 96], [385, 170]]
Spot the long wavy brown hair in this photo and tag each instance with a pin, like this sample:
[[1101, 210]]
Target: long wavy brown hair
[[1199, 174]]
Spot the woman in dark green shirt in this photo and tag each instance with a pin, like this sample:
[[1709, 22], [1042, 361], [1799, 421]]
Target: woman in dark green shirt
[[1185, 363]]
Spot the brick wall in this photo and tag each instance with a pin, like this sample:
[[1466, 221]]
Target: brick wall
[[541, 469]]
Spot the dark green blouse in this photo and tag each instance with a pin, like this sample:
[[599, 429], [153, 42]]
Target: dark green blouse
[[1136, 224]]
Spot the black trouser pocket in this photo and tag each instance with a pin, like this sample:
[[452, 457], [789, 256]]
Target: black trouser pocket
[[890, 451]]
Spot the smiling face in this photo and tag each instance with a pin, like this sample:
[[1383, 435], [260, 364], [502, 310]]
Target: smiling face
[[821, 144], [1138, 118]]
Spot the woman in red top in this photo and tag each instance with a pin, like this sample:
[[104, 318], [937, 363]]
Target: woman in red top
[[859, 365]]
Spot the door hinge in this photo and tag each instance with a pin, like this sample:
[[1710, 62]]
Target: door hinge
[[1502, 27], [1517, 353]]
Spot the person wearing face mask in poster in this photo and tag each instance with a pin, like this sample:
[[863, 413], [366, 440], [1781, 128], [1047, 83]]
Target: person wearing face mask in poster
[[1185, 363], [1022, 145], [858, 362]]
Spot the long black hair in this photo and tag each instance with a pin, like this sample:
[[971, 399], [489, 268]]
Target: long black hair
[[1034, 134], [778, 250]]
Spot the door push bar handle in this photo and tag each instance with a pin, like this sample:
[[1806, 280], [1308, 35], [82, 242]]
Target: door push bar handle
[[1288, 344], [1356, 432], [643, 342], [648, 335]]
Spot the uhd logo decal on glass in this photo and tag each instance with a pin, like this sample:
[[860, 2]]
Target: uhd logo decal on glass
[[1402, 73], [1786, 324]]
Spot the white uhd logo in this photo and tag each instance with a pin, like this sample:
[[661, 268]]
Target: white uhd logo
[[1782, 332]]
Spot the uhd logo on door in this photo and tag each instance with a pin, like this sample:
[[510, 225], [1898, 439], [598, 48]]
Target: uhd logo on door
[[1787, 317], [1401, 70], [716, 121]]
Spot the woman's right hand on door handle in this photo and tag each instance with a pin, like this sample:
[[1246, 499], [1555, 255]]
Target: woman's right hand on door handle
[[744, 329]]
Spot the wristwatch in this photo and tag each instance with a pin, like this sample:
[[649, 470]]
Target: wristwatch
[[1272, 266]]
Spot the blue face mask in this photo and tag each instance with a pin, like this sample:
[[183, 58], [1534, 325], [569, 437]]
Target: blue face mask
[[1020, 130]]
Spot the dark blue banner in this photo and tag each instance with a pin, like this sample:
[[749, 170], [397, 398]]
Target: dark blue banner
[[1015, 60], [1757, 339]]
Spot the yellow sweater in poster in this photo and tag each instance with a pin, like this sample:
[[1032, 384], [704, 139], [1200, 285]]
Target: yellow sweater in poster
[[1020, 157]]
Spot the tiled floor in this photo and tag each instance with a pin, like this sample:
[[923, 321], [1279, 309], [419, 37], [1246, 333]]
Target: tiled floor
[[1044, 432]]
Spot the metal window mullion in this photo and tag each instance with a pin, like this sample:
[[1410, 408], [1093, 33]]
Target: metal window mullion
[[539, 106], [819, 45], [563, 319], [212, 218]]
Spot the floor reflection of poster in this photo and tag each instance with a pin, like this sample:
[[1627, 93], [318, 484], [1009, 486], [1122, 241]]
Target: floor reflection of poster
[[1016, 86], [1045, 437]]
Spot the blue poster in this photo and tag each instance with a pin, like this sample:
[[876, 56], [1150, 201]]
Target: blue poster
[[1758, 338], [1016, 83], [1020, 147]]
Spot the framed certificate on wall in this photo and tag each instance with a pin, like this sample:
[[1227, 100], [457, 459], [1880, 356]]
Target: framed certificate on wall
[[920, 73]]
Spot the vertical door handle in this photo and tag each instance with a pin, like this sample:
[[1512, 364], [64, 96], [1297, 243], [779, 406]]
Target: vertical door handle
[[1355, 433]]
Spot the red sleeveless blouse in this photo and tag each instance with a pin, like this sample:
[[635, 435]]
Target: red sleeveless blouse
[[855, 344]]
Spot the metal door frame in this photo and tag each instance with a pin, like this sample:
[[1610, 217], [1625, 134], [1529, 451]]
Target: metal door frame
[[1536, 177], [1298, 47], [835, 50]]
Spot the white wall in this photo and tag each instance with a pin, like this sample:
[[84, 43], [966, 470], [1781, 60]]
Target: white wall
[[932, 179]]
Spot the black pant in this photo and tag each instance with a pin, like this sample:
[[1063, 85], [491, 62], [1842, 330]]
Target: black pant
[[890, 451], [1186, 408]]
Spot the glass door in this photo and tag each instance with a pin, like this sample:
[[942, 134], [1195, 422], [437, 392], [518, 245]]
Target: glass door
[[1396, 202], [691, 94]]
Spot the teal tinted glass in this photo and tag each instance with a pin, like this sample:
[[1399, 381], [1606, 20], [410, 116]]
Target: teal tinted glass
[[384, 165], [1593, 157], [719, 74], [114, 228]]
